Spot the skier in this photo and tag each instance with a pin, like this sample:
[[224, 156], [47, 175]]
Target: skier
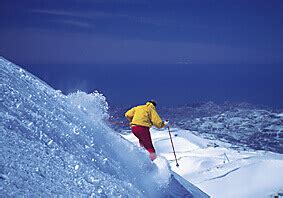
[[141, 119]]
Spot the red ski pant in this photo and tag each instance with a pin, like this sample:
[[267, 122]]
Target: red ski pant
[[143, 134]]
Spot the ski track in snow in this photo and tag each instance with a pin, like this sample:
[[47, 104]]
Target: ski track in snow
[[218, 177], [227, 173]]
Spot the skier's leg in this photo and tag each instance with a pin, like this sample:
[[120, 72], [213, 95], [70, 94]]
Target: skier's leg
[[147, 142], [143, 134], [141, 143], [137, 131]]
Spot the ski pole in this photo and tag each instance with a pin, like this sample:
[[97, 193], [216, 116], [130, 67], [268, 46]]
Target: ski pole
[[119, 123], [173, 146]]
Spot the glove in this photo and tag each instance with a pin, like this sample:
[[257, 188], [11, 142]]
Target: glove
[[166, 122]]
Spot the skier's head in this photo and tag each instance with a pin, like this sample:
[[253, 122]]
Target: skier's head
[[153, 102]]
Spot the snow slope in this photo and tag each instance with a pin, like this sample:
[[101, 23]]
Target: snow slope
[[217, 169], [52, 144]]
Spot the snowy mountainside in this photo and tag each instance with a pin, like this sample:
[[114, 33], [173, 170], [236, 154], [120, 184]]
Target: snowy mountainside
[[218, 169], [52, 144]]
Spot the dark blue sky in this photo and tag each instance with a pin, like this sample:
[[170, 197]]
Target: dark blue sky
[[174, 51]]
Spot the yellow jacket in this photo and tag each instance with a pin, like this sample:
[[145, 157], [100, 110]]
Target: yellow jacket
[[144, 115]]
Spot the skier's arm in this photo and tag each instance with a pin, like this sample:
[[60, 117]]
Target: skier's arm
[[156, 120], [130, 114]]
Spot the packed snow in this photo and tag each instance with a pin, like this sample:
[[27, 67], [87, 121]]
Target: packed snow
[[217, 169], [57, 145]]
